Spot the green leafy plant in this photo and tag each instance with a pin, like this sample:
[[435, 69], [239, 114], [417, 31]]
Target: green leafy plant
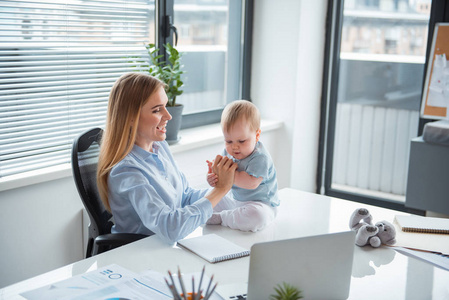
[[286, 292], [168, 72]]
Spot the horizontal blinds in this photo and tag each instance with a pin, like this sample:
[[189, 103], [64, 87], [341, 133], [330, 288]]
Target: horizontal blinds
[[58, 62]]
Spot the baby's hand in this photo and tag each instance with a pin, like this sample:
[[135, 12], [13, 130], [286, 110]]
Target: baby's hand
[[212, 178], [209, 165]]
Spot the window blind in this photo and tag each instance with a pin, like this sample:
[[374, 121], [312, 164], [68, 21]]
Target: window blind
[[58, 62]]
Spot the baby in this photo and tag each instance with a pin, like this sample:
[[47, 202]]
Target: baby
[[252, 202]]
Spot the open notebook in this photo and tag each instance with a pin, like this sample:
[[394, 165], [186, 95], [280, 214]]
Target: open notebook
[[213, 248]]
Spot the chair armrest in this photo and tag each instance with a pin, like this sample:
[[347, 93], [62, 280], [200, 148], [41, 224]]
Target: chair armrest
[[118, 239]]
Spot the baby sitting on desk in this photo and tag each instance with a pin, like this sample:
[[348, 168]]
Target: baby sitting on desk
[[252, 202]]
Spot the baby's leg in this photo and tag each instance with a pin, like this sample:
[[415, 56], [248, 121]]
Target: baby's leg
[[226, 203], [250, 216]]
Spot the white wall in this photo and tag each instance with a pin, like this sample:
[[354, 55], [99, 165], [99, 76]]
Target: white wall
[[40, 229], [287, 64], [41, 224]]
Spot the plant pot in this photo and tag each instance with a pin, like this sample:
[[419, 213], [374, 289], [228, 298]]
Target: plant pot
[[174, 124]]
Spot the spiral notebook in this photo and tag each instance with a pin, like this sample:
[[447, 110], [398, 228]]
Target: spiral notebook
[[423, 224], [213, 248]]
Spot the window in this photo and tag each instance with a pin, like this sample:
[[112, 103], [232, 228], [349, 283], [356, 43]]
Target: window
[[378, 59], [211, 46], [59, 60], [214, 36]]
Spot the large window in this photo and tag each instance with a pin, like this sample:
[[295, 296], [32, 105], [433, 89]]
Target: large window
[[377, 56], [59, 60]]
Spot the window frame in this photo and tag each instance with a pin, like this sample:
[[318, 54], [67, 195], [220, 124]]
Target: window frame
[[165, 8], [439, 13]]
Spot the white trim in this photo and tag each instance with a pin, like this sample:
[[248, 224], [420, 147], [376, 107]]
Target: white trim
[[360, 191], [191, 138], [36, 176], [395, 58]]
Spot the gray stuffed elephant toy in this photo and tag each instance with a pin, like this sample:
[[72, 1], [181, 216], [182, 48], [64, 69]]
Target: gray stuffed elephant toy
[[381, 233]]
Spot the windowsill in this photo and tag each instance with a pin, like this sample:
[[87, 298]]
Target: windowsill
[[191, 138]]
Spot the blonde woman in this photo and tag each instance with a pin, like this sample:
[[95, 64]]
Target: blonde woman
[[138, 179]]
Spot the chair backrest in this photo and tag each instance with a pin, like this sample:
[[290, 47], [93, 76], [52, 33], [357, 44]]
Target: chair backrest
[[85, 152]]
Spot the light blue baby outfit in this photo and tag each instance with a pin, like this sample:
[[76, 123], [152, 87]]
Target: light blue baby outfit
[[258, 164]]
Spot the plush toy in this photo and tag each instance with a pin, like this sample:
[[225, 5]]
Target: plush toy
[[382, 232]]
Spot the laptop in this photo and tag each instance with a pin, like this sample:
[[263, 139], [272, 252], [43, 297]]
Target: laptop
[[320, 266]]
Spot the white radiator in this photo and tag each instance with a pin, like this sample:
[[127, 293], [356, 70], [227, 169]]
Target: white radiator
[[371, 147]]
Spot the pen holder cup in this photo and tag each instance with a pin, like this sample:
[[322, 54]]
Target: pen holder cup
[[190, 296]]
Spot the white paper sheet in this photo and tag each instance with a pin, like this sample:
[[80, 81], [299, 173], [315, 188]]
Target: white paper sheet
[[436, 259], [115, 282], [80, 284]]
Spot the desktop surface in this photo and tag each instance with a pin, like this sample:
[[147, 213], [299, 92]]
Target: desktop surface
[[378, 273]]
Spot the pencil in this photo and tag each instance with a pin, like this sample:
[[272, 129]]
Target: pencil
[[182, 284], [199, 297], [171, 277], [201, 281], [193, 288], [208, 286], [211, 292], [173, 290]]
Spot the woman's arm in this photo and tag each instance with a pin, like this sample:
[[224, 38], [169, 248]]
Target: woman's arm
[[136, 204]]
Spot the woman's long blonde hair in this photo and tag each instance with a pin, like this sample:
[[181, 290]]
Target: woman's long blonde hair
[[129, 93]]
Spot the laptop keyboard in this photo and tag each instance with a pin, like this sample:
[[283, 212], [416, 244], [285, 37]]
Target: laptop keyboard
[[238, 297]]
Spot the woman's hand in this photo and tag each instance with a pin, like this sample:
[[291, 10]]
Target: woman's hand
[[224, 168]]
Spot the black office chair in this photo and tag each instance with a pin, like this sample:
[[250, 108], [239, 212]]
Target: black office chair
[[84, 167]]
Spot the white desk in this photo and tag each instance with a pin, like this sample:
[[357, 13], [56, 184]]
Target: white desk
[[379, 273]]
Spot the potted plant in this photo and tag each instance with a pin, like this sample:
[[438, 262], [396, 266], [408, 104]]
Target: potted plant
[[286, 292], [169, 72]]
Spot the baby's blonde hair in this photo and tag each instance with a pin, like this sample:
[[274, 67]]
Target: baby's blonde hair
[[240, 110]]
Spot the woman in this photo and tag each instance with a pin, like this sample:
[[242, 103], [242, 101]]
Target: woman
[[138, 179]]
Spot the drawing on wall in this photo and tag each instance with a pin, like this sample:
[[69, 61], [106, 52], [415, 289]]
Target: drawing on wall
[[435, 100]]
